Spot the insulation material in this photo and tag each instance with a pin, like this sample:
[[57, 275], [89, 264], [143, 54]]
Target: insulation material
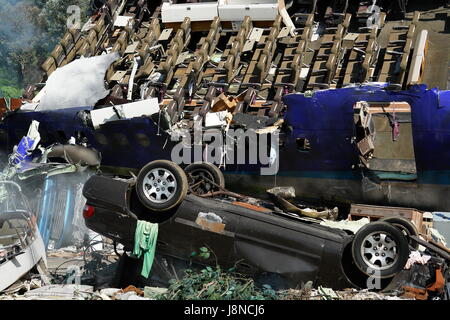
[[416, 257], [352, 226], [77, 84]]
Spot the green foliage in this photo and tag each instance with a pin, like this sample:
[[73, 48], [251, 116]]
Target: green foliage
[[204, 253], [10, 92], [215, 284], [8, 85], [29, 30]]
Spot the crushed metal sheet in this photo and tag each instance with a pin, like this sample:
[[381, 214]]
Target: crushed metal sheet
[[124, 111]]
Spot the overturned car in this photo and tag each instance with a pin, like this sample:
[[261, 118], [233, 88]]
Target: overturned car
[[282, 247]]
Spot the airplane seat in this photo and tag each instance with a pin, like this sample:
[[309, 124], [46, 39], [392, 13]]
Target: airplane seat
[[306, 34], [347, 20], [411, 32], [154, 25]]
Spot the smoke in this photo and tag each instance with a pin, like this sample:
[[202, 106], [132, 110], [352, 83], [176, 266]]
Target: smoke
[[29, 30], [17, 30]]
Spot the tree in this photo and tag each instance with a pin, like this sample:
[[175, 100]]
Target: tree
[[29, 30]]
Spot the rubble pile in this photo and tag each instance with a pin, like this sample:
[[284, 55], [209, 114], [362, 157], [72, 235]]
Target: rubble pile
[[119, 94]]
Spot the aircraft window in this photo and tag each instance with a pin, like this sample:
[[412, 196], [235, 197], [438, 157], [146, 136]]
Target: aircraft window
[[303, 145], [121, 139], [61, 136], [143, 139], [101, 138]]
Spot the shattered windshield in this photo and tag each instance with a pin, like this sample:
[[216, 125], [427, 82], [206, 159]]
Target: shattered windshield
[[11, 198]]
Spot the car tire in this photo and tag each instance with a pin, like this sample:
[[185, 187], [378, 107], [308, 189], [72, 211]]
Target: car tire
[[380, 250], [405, 226], [161, 185], [197, 171]]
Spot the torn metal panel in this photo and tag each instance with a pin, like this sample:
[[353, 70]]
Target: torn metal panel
[[75, 154], [57, 208], [125, 111]]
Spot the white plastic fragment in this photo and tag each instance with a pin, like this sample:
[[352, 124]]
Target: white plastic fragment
[[68, 291], [122, 21], [210, 216], [109, 291], [437, 236], [352, 226], [416, 257], [216, 119]]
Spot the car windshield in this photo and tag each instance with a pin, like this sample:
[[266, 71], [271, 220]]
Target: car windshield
[[14, 217], [11, 198]]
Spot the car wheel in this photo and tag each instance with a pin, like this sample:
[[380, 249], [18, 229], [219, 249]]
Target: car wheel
[[405, 226], [161, 185], [380, 250], [204, 177]]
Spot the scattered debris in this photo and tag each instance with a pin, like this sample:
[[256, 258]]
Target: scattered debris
[[126, 111], [21, 244], [60, 292], [249, 83], [416, 257], [281, 195], [352, 226]]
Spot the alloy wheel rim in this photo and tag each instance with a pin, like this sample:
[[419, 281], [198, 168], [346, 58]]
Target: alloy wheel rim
[[379, 251], [160, 185]]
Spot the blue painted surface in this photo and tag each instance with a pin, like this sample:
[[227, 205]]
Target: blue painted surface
[[44, 213], [57, 190], [326, 119]]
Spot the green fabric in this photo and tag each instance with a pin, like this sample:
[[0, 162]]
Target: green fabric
[[145, 243]]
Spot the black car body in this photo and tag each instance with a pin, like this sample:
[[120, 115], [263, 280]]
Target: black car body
[[257, 241]]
